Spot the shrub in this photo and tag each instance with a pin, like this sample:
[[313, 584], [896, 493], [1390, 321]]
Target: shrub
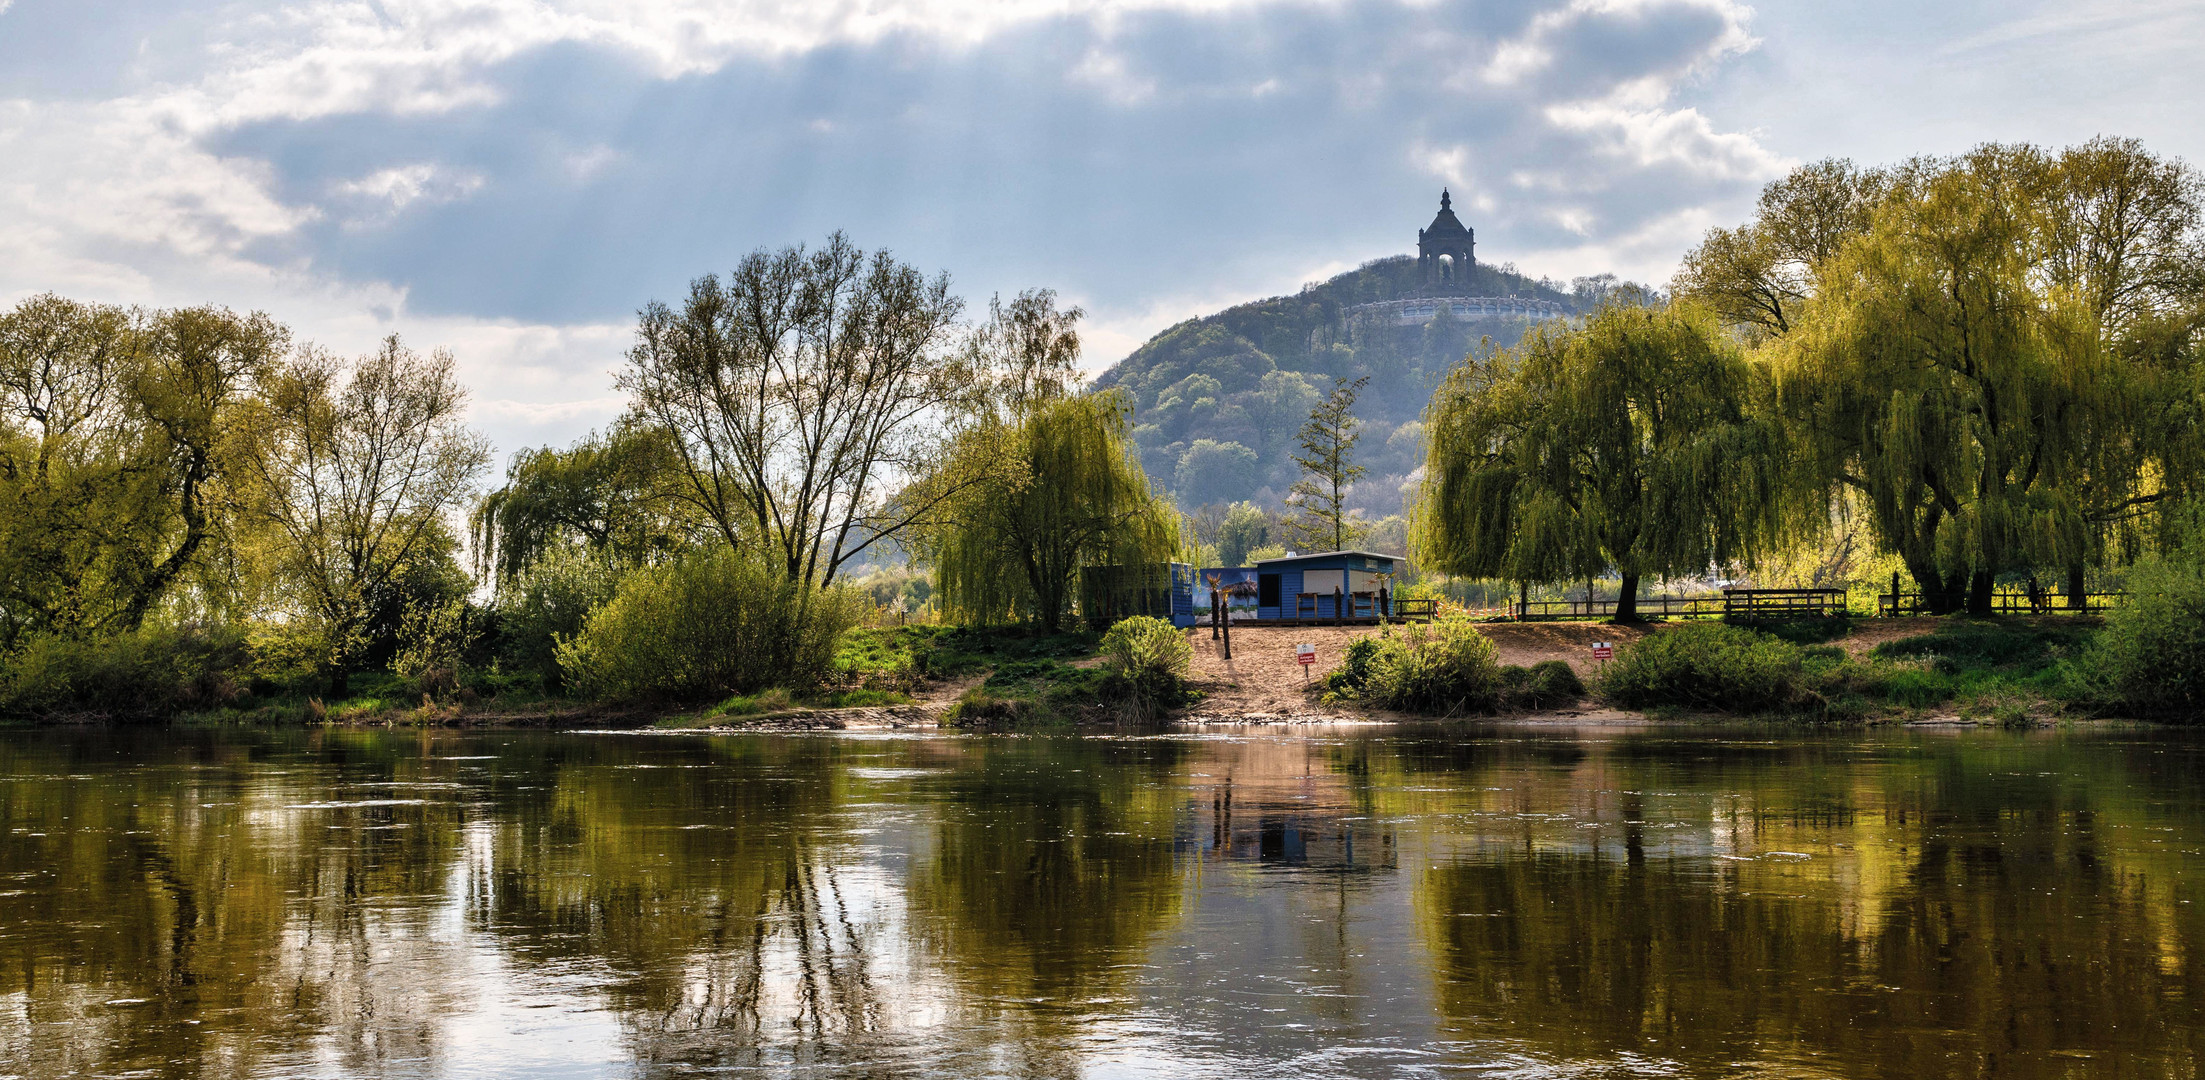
[[548, 603], [711, 625], [149, 673], [980, 709], [1352, 678], [1147, 658], [2150, 658], [1544, 685], [432, 647], [1705, 666], [1442, 668]]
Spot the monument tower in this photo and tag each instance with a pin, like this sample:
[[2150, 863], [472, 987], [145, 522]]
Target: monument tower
[[1446, 249]]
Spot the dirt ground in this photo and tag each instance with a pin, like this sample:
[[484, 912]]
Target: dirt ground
[[1264, 682]]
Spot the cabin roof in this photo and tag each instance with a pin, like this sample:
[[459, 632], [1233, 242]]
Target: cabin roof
[[1330, 555]]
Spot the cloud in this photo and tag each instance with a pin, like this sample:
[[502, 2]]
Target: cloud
[[489, 170]]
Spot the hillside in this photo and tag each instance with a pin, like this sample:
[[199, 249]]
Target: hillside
[[1247, 376]]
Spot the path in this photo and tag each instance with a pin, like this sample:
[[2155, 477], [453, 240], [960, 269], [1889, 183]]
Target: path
[[1263, 682]]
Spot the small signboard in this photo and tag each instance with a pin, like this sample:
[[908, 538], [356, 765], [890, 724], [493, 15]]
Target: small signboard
[[1305, 655], [1603, 651]]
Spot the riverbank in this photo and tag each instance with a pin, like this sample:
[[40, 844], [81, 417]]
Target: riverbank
[[1907, 671]]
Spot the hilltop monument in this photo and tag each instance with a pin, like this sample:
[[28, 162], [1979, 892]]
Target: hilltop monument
[[1446, 249]]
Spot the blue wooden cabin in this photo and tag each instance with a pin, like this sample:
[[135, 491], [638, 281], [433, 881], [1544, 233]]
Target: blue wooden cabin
[[1327, 586]]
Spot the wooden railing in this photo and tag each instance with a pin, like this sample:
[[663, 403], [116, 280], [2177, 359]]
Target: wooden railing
[[2005, 601], [1415, 610], [1782, 603], [1557, 610], [1730, 603]]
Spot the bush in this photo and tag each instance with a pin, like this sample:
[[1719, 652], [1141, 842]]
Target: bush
[[1706, 666], [1147, 658], [989, 712], [545, 604], [150, 673], [1444, 668], [2150, 658], [709, 626], [1352, 678], [1544, 685]]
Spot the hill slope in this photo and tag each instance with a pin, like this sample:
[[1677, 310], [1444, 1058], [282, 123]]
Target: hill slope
[[1247, 376]]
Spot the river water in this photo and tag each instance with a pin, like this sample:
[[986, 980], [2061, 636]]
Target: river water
[[1464, 901]]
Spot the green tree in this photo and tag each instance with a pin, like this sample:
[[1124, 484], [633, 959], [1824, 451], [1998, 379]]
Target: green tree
[[1967, 394], [1622, 444], [1245, 528], [799, 392], [1214, 472], [1280, 400], [616, 496], [1328, 470], [355, 465], [1996, 352], [116, 439], [1038, 498]]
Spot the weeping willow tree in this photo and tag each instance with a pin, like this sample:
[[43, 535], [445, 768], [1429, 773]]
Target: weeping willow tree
[[1966, 395], [1041, 494], [1624, 443], [617, 496], [1996, 354]]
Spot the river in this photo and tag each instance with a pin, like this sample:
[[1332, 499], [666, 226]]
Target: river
[[1372, 902]]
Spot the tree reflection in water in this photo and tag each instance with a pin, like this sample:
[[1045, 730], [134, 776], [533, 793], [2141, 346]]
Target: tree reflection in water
[[353, 904], [1951, 912]]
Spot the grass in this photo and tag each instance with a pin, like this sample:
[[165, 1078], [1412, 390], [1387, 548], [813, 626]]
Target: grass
[[1030, 685], [1034, 694], [2007, 671]]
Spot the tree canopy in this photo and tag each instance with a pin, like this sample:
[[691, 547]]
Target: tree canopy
[[1625, 442]]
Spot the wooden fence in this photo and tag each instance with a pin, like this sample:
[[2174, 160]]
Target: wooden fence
[[2006, 601], [1729, 603]]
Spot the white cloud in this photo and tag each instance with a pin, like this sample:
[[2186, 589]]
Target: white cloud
[[147, 196], [1649, 137]]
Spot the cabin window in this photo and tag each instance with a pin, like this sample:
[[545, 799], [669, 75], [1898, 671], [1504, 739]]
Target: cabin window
[[1267, 590]]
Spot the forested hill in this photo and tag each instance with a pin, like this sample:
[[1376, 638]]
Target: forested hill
[[1217, 400]]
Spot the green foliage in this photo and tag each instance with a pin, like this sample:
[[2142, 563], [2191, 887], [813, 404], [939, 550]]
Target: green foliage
[[1961, 644], [1246, 529], [545, 603], [1035, 694], [1545, 685], [2150, 660], [1810, 631], [1212, 471], [708, 625], [1441, 669], [1357, 666], [611, 494], [1036, 500], [1705, 666], [1148, 659], [117, 460], [1327, 461], [433, 643], [148, 673], [1992, 354], [1623, 443]]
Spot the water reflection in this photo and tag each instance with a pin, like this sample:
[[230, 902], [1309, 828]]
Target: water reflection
[[178, 903]]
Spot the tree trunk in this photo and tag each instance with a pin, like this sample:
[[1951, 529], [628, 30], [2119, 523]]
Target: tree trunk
[[1626, 600], [340, 684], [1979, 592], [1937, 598], [2077, 597]]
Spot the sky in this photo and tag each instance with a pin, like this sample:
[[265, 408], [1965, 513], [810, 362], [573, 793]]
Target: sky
[[513, 179]]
